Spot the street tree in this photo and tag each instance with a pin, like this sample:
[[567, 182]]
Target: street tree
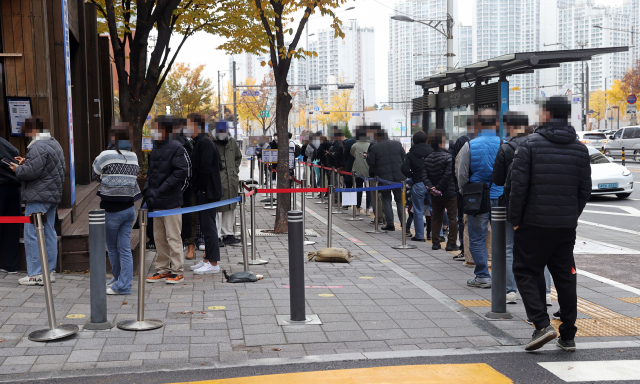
[[342, 101], [324, 119], [278, 35], [617, 96], [598, 105], [186, 90], [135, 24], [260, 108]]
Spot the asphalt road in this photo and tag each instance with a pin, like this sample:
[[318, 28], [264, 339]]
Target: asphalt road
[[519, 367]]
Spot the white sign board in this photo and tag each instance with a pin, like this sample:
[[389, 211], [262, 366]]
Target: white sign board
[[398, 126], [349, 198], [147, 144], [631, 108], [19, 110], [270, 156]]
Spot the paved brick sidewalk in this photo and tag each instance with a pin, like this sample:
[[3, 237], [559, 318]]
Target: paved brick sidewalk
[[387, 300]]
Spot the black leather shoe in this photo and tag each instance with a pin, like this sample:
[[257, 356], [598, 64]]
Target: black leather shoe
[[451, 247], [388, 228], [416, 239], [435, 246]]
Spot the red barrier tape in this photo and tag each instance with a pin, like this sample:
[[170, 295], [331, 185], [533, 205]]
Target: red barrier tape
[[245, 187], [292, 190], [15, 219], [328, 168], [250, 193], [346, 173]]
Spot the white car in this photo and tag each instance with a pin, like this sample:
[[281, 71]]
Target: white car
[[609, 178], [592, 139]]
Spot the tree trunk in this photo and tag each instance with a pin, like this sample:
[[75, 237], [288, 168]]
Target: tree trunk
[[283, 107]]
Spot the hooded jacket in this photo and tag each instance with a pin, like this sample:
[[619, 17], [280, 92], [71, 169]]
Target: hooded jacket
[[413, 166], [358, 150], [167, 176], [385, 160], [206, 168], [550, 178], [42, 173], [504, 158], [231, 158]]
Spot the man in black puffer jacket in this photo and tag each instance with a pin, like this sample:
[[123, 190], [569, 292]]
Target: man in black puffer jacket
[[385, 160], [438, 179], [413, 168], [550, 186], [166, 181]]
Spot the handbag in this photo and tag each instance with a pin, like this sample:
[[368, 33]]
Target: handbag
[[476, 198]]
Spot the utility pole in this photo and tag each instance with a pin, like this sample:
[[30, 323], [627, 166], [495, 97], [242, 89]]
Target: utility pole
[[220, 111], [585, 89], [235, 106]]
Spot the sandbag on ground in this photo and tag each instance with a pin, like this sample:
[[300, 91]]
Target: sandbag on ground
[[331, 255]]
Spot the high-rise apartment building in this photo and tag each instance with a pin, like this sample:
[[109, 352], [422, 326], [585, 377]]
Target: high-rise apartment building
[[465, 44], [417, 50], [576, 30]]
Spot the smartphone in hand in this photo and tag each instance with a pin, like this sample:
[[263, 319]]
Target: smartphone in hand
[[7, 161]]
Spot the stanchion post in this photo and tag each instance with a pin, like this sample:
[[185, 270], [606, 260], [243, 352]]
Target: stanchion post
[[294, 203], [243, 232], [335, 177], [376, 209], [55, 331], [253, 165], [98, 272], [322, 185], [498, 264], [330, 217], [270, 181], [140, 324], [261, 170], [404, 220], [354, 218], [253, 260], [303, 203]]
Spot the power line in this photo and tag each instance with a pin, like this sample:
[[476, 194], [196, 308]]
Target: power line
[[395, 10]]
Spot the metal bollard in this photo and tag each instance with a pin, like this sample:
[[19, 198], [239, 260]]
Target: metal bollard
[[330, 217], [55, 331], [98, 272], [498, 264], [141, 324], [376, 209], [261, 170], [404, 220], [296, 267], [270, 205], [243, 233], [253, 260], [623, 157]]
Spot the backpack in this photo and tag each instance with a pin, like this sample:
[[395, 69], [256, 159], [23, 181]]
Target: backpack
[[503, 201]]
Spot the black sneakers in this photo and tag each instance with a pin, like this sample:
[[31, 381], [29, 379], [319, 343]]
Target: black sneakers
[[540, 338], [459, 257], [388, 228], [435, 246], [416, 239], [566, 345], [451, 247], [556, 315]]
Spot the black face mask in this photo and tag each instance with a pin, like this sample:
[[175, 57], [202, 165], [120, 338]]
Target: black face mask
[[487, 121]]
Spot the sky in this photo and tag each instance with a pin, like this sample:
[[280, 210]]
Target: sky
[[368, 13]]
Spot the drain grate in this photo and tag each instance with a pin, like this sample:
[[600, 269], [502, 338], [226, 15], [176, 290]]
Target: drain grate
[[475, 303], [632, 300], [268, 232]]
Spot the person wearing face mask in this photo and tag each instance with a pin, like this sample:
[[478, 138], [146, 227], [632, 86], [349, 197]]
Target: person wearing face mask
[[438, 181], [183, 134], [311, 152], [231, 158]]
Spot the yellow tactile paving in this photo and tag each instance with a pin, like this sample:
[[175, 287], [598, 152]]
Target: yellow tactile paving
[[632, 300], [588, 308], [593, 328], [407, 374], [475, 303]]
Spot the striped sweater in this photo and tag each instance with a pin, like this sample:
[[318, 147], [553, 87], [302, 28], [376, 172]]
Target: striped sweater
[[118, 174]]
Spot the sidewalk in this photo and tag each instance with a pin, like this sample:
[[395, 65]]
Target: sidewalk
[[385, 300]]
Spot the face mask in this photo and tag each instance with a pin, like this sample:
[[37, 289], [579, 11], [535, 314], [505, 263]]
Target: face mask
[[315, 143], [446, 145], [222, 136], [124, 144], [156, 135]]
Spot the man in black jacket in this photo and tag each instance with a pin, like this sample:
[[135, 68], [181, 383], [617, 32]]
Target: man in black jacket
[[207, 186], [166, 181], [550, 186], [385, 160], [9, 206], [413, 168]]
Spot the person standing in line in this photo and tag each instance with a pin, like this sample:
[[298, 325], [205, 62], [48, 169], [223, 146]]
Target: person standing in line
[[117, 170], [10, 205], [166, 181], [189, 220], [42, 175], [207, 186], [325, 146], [273, 145], [385, 158], [360, 167], [349, 160], [515, 124], [438, 181], [476, 165], [231, 158], [455, 149], [263, 144], [311, 152], [550, 186], [414, 168]]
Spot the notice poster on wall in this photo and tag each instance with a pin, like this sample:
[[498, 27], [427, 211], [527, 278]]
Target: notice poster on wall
[[147, 144], [19, 110], [398, 126], [270, 156]]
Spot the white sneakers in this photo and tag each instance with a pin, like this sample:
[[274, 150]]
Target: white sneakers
[[369, 211], [37, 279], [197, 266], [511, 297], [201, 247], [207, 269], [112, 292]]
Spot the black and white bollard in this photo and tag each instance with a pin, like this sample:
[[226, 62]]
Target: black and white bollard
[[499, 264], [296, 275], [55, 331], [140, 324], [98, 272]]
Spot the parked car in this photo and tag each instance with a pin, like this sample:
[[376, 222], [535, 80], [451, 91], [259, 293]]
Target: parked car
[[592, 139], [627, 137], [609, 178]]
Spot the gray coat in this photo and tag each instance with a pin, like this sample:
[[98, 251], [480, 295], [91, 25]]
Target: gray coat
[[358, 149], [42, 173]]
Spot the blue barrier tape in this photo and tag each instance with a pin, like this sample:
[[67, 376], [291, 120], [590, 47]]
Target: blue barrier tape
[[365, 178], [392, 186], [196, 208], [383, 181]]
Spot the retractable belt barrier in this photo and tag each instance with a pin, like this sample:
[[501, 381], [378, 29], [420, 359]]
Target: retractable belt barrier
[[15, 219], [196, 208], [365, 189]]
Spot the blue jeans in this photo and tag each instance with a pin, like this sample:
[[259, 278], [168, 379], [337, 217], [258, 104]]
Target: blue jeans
[[477, 227], [118, 230], [417, 195], [511, 281], [31, 242], [547, 279]]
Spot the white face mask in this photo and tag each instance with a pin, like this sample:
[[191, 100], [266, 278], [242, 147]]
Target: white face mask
[[222, 135], [315, 143], [446, 145], [156, 135]]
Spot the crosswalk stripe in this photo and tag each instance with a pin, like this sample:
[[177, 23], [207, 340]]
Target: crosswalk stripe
[[573, 371], [406, 374]]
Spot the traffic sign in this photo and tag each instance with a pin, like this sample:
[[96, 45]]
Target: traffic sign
[[590, 111], [631, 108], [543, 94], [576, 99], [316, 109], [245, 93], [631, 99], [355, 114]]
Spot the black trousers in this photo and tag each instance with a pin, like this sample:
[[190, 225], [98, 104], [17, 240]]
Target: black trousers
[[533, 249], [360, 184], [209, 229], [460, 221], [386, 202], [10, 233]]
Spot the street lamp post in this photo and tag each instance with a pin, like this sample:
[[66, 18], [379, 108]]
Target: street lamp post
[[220, 111]]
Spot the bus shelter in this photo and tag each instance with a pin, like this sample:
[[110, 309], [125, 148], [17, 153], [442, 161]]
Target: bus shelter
[[483, 85]]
